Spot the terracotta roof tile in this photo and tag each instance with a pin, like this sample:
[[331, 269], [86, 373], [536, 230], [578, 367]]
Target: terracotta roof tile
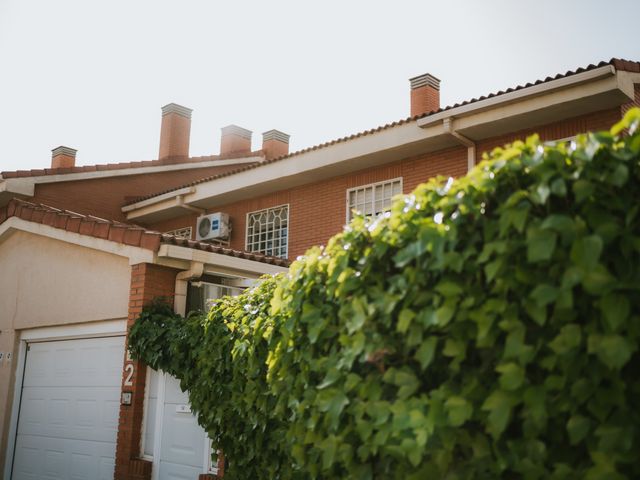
[[116, 231], [618, 64], [124, 165]]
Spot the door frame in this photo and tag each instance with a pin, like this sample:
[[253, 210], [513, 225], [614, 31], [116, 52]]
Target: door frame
[[108, 328]]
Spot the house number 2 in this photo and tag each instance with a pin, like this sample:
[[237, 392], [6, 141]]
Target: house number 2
[[128, 369]]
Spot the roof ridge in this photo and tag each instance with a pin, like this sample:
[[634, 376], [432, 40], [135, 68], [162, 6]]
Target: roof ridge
[[112, 230], [617, 63], [99, 167]]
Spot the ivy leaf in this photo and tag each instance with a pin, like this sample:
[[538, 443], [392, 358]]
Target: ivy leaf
[[357, 319], [582, 189], [569, 338], [540, 244], [459, 410], [559, 187], [512, 376], [404, 320], [598, 281], [445, 313], [613, 350], [405, 379], [332, 377], [544, 294], [499, 405], [332, 401], [578, 428], [615, 310], [426, 352], [448, 288], [586, 251]]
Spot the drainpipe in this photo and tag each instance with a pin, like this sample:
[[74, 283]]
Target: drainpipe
[[447, 123], [182, 285]]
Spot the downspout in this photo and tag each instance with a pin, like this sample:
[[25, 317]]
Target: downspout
[[182, 285], [447, 123]]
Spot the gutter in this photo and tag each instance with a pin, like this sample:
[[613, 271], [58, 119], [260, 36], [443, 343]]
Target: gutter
[[466, 124], [518, 95]]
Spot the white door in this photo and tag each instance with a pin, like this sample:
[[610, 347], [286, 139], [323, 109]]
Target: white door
[[68, 420], [182, 447]]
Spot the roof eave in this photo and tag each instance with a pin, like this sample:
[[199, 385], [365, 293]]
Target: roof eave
[[553, 100]]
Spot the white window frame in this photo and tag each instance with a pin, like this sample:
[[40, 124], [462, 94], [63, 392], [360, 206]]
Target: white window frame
[[369, 185], [246, 237]]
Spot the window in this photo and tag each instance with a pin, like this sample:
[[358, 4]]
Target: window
[[181, 233], [268, 230], [373, 199]]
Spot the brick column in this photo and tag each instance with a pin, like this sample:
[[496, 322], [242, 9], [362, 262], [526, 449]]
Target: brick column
[[147, 283]]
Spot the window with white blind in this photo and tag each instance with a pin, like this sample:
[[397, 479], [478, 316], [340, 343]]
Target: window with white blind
[[268, 231], [373, 199]]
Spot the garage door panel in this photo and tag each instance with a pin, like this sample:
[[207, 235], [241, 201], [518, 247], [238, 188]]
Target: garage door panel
[[65, 364], [76, 412], [68, 459], [68, 421]]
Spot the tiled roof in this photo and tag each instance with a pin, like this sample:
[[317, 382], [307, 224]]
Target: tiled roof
[[618, 64], [124, 233], [125, 165]]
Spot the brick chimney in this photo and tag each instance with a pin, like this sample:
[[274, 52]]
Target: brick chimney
[[425, 94], [235, 140], [175, 131], [63, 157], [275, 144]]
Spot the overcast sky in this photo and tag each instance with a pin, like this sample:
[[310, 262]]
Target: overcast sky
[[93, 75]]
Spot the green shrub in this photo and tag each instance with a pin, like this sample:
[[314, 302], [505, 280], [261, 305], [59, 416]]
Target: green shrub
[[487, 327]]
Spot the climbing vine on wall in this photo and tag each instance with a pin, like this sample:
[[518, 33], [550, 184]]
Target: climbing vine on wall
[[487, 327]]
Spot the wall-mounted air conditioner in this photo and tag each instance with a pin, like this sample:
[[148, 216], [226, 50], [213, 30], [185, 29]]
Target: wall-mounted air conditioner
[[214, 226]]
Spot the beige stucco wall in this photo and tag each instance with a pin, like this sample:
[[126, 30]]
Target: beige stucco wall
[[47, 282]]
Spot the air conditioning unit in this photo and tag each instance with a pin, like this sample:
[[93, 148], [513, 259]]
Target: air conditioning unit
[[214, 226]]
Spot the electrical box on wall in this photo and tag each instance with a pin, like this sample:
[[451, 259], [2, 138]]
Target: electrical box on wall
[[214, 226]]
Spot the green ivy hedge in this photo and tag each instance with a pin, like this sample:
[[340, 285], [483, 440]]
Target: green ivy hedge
[[487, 327]]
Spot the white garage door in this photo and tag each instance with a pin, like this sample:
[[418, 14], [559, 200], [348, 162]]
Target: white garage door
[[68, 418]]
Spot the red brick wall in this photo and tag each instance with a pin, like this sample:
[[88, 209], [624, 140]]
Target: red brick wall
[[555, 131], [104, 197], [636, 100], [147, 283], [317, 211]]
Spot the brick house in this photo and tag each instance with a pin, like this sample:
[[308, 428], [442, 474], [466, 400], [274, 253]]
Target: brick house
[[82, 249]]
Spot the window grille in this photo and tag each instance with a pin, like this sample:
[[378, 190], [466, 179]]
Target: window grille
[[181, 232], [373, 199], [268, 231]]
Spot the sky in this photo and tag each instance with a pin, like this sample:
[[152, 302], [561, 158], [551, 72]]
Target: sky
[[93, 75]]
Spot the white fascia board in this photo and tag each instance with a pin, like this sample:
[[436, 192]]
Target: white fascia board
[[106, 328], [519, 95], [298, 165], [17, 186], [218, 263], [134, 254], [70, 177], [426, 131], [159, 198]]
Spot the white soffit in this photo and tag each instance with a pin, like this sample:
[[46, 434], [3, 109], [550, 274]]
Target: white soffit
[[553, 100]]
